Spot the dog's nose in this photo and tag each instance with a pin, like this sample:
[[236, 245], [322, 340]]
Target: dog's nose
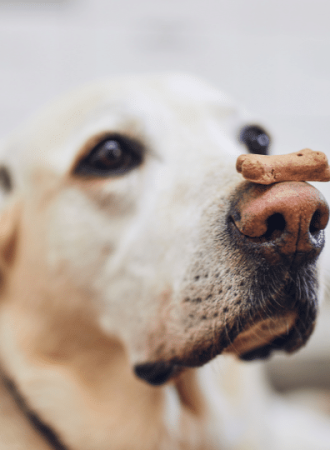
[[286, 218]]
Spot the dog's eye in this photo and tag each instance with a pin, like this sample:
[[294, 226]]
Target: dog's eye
[[256, 139], [6, 183], [114, 155]]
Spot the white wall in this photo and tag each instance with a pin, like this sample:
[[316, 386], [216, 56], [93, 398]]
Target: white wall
[[273, 55]]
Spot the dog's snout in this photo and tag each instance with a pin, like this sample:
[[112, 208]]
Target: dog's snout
[[290, 215]]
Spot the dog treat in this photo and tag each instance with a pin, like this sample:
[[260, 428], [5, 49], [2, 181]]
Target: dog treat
[[306, 165]]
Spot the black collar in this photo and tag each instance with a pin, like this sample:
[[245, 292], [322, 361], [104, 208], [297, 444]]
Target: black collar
[[46, 431]]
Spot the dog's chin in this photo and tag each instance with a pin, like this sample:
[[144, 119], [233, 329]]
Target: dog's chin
[[284, 323]]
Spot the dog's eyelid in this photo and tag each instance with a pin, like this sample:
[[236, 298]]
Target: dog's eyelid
[[98, 138]]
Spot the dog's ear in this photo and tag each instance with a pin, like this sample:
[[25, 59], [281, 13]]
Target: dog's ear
[[9, 225]]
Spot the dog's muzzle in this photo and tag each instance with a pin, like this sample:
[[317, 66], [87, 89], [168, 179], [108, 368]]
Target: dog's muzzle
[[279, 229], [281, 226]]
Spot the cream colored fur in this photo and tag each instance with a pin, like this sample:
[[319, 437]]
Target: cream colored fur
[[92, 272]]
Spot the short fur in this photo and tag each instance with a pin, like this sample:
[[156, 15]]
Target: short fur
[[106, 278]]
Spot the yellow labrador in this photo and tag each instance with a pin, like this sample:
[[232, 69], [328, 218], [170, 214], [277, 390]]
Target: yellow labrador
[[126, 266]]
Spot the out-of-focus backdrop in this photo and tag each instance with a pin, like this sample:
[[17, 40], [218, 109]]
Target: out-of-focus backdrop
[[273, 56]]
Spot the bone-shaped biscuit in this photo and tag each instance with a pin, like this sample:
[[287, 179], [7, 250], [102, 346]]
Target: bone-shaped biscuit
[[306, 165]]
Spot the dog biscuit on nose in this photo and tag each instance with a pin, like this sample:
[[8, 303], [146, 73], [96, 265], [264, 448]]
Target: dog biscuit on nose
[[305, 165]]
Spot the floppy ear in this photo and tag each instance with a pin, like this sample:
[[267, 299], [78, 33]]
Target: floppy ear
[[9, 224]]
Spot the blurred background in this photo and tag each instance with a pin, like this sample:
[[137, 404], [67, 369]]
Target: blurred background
[[272, 56]]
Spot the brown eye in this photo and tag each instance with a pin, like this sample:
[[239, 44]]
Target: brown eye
[[112, 156]]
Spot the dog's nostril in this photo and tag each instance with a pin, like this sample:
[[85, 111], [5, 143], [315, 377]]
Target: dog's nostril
[[275, 223], [315, 224]]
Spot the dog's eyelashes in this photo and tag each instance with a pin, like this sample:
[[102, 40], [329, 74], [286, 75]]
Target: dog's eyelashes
[[114, 155], [256, 139]]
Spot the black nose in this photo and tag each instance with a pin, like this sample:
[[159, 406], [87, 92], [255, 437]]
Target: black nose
[[287, 218]]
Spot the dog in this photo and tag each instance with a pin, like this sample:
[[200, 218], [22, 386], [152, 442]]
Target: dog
[[125, 269]]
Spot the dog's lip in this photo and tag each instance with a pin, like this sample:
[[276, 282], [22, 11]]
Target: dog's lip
[[254, 342], [157, 373], [262, 334]]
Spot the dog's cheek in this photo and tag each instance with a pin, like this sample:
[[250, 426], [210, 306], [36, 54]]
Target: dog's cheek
[[78, 238]]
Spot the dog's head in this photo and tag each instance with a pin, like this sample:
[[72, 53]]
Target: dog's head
[[121, 219]]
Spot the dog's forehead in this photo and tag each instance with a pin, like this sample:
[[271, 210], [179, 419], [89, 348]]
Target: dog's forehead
[[154, 107]]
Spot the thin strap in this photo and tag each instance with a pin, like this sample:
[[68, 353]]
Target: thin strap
[[45, 430]]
